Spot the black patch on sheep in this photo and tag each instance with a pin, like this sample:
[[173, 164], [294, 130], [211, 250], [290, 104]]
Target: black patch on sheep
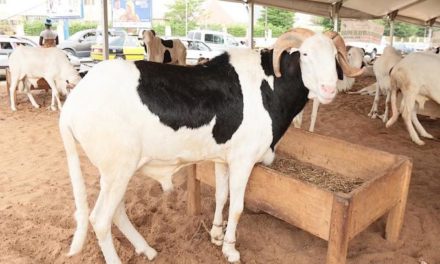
[[192, 96], [339, 71], [166, 57], [289, 95], [167, 43]]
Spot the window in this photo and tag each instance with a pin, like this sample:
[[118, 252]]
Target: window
[[198, 36], [213, 38], [5, 45], [90, 37]]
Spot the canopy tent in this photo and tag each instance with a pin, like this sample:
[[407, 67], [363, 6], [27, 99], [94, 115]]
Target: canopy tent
[[419, 12]]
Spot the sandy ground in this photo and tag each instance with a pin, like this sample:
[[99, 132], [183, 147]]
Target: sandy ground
[[36, 203]]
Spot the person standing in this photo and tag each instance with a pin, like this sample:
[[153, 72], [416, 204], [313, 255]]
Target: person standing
[[48, 37]]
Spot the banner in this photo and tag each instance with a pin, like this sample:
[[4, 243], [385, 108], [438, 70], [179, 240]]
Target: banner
[[132, 13], [361, 31], [64, 8]]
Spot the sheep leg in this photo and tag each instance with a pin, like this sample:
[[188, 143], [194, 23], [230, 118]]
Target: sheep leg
[[314, 114], [12, 89], [32, 99], [394, 110], [221, 195], [373, 111], [384, 117], [113, 186], [239, 175], [419, 126], [406, 115], [53, 87], [122, 221]]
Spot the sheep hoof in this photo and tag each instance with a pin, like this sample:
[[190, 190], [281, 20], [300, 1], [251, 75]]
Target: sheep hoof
[[150, 252], [53, 108], [231, 253], [36, 106]]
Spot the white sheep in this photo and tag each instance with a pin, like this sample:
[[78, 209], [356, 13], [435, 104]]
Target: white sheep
[[160, 117], [28, 64], [381, 68], [418, 81]]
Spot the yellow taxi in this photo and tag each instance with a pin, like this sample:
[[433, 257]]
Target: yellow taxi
[[121, 46]]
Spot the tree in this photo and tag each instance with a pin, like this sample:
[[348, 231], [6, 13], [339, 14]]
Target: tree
[[278, 20], [277, 17], [325, 22], [402, 30], [176, 15]]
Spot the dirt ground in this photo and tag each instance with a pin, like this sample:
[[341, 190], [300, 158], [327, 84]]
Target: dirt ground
[[36, 202]]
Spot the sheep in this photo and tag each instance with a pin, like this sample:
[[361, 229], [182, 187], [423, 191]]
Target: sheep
[[355, 59], [28, 64], [417, 81], [231, 110], [165, 51], [381, 69]]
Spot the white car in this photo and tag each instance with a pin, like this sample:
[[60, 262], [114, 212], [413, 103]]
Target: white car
[[7, 45], [371, 49], [196, 49]]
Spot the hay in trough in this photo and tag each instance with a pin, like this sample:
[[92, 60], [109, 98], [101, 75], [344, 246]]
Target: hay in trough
[[315, 175]]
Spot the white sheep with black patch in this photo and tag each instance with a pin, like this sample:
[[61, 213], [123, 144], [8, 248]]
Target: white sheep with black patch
[[158, 118]]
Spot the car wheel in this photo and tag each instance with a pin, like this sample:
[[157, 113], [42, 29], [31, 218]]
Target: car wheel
[[69, 52]]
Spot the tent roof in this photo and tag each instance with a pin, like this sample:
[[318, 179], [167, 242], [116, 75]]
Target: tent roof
[[412, 11]]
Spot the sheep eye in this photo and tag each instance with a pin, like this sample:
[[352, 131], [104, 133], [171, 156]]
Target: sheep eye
[[304, 54]]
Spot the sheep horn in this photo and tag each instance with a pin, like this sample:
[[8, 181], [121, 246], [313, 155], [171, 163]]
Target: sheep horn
[[290, 39], [348, 70]]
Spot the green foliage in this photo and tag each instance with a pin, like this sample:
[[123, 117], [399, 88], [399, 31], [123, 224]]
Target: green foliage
[[401, 29], [176, 15], [326, 23], [278, 20], [81, 25], [34, 28], [159, 29], [238, 30]]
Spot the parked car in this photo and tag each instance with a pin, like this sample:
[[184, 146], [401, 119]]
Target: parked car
[[80, 43], [371, 49], [121, 46], [7, 45], [196, 49], [216, 40]]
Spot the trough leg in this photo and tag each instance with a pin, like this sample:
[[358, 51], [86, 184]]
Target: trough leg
[[338, 237], [193, 191], [396, 214]]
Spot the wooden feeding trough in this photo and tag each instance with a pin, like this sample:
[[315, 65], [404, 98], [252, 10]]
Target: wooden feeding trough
[[41, 84], [333, 216]]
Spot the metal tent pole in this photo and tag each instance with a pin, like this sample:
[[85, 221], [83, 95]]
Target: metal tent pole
[[391, 17], [105, 29]]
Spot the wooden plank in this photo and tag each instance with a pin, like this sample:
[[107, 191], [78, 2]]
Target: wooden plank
[[375, 198], [336, 155], [396, 215], [193, 189], [298, 203], [339, 231]]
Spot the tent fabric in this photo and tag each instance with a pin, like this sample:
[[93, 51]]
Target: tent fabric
[[418, 12]]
